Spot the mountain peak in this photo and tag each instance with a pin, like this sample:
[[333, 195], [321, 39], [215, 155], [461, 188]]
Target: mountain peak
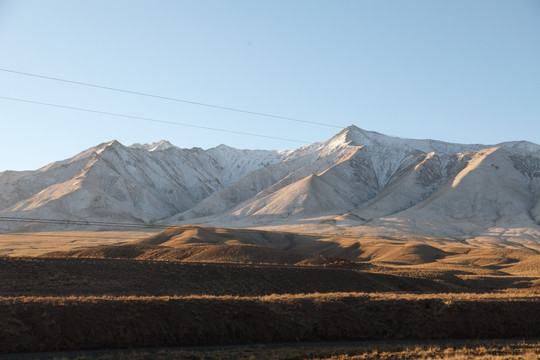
[[361, 137], [224, 147], [113, 144], [353, 135], [155, 146]]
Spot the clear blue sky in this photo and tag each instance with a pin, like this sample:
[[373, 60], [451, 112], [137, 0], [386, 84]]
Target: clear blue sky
[[460, 71]]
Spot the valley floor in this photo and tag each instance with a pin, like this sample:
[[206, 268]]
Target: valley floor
[[37, 243], [196, 286]]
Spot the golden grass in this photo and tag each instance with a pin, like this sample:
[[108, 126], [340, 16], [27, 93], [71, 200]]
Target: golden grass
[[313, 297], [37, 243], [205, 244], [494, 351]]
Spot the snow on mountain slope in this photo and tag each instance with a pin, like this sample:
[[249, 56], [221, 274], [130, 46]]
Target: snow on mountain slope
[[358, 180], [160, 145], [488, 189], [296, 165], [358, 136], [492, 198], [520, 147], [339, 186], [235, 164], [309, 196], [113, 182], [417, 177], [422, 187], [367, 161]]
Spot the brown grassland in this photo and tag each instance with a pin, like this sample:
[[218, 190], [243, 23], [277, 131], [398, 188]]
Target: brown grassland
[[196, 286], [35, 244]]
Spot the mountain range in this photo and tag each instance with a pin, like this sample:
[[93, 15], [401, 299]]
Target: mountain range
[[357, 182]]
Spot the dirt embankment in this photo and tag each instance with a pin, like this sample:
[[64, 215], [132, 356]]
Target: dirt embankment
[[47, 324]]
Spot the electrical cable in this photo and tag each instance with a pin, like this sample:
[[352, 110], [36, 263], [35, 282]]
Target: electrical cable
[[149, 119], [81, 222], [170, 98]]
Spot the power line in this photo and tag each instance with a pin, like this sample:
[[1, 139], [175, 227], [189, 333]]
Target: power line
[[67, 235], [170, 98], [81, 222], [149, 119]]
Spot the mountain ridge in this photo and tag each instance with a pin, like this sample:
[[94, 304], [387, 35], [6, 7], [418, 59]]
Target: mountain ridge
[[357, 181]]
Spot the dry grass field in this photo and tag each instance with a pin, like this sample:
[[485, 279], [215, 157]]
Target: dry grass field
[[31, 324], [191, 243], [194, 286], [37, 243]]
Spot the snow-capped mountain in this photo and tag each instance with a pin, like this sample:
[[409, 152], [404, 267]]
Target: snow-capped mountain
[[358, 181], [364, 182], [115, 183]]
